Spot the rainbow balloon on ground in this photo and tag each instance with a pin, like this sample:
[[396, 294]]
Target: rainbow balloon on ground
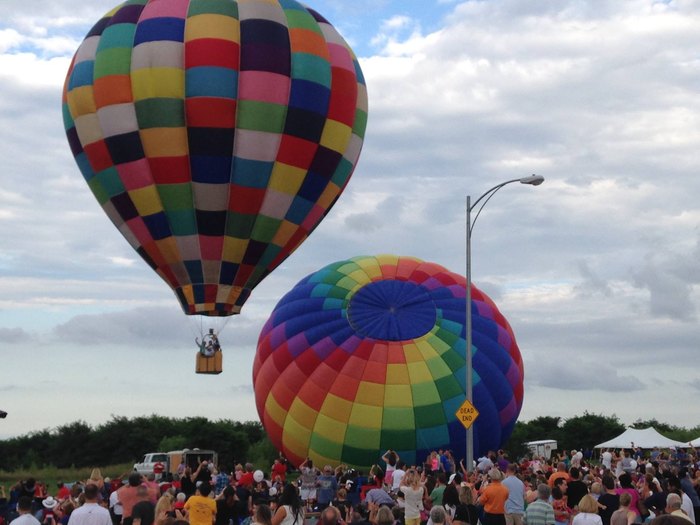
[[368, 354], [215, 134]]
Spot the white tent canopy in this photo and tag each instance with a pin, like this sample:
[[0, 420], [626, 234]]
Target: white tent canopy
[[642, 438]]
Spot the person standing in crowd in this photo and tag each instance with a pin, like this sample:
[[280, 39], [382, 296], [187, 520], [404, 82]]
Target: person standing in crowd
[[226, 508], [623, 515], [330, 516], [90, 512], [115, 508], [289, 508], [439, 490], [143, 512], [466, 512], [627, 487], [562, 512], [309, 476], [24, 507], [609, 501], [515, 504], [127, 496], [606, 459], [493, 499], [540, 511], [561, 473], [674, 486], [390, 458], [327, 487], [438, 516], [575, 488], [587, 512], [673, 506], [201, 509], [262, 515], [278, 472], [688, 488], [413, 494]]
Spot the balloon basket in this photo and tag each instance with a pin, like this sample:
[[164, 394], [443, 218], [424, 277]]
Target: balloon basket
[[209, 365]]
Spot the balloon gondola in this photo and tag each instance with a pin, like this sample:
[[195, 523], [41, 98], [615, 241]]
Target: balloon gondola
[[215, 134]]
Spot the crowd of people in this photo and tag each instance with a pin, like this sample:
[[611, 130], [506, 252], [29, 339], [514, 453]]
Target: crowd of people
[[624, 487]]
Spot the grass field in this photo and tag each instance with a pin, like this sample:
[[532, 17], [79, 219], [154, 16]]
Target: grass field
[[52, 475]]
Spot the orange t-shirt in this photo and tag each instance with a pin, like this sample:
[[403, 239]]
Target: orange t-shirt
[[494, 497]]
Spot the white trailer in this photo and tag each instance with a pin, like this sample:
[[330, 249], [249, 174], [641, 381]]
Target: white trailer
[[542, 447]]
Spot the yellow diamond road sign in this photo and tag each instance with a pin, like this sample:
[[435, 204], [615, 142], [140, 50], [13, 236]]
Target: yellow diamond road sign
[[467, 413]]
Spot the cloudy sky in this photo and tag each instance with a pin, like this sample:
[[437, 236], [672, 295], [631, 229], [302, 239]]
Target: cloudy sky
[[597, 270]]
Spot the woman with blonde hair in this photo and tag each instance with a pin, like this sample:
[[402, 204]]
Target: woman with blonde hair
[[466, 512], [382, 516], [587, 512], [96, 478], [413, 494]]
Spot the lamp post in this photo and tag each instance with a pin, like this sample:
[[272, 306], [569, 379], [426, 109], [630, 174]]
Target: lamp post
[[533, 180]]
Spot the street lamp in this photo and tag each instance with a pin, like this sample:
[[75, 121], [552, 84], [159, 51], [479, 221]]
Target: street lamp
[[533, 180]]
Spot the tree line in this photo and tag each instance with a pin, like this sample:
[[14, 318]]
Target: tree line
[[585, 432], [122, 440]]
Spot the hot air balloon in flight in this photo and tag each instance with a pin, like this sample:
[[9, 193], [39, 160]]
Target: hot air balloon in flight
[[368, 354], [215, 134]]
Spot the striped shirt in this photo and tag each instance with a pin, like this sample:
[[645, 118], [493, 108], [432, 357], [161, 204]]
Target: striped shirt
[[539, 512]]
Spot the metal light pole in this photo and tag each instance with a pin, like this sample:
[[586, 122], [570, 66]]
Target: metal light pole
[[533, 180]]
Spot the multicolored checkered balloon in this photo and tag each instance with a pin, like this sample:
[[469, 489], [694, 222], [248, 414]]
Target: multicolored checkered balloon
[[216, 135], [368, 354]]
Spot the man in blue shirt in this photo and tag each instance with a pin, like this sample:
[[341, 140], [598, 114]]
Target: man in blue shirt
[[327, 486], [515, 504]]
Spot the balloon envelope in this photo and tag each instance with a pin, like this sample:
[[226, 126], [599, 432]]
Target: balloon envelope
[[368, 354], [215, 134]]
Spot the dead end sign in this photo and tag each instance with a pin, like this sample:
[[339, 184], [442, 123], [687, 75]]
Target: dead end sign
[[467, 413]]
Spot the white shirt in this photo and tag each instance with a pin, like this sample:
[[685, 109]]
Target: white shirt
[[90, 514], [396, 479], [687, 506], [606, 460], [586, 518], [25, 519], [115, 504]]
